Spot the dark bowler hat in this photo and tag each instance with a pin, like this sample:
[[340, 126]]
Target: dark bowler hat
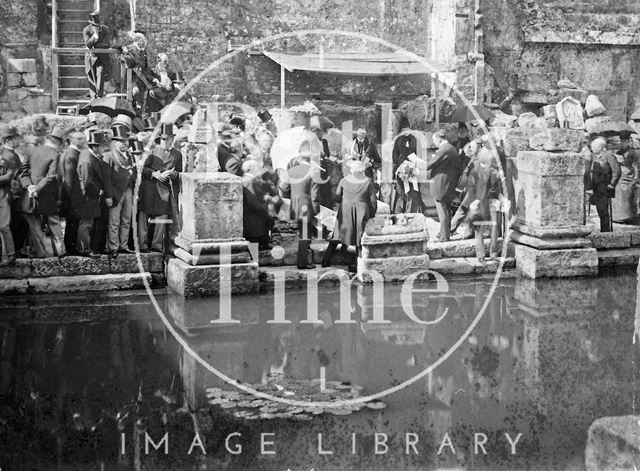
[[177, 76], [166, 130], [137, 147], [120, 133], [97, 138], [7, 132], [150, 124], [238, 120], [264, 116], [59, 133], [94, 17]]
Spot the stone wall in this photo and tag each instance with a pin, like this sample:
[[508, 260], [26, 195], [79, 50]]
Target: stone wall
[[194, 36], [534, 43]]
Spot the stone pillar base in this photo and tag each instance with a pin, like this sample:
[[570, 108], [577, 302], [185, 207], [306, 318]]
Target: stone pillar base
[[556, 263], [392, 268], [210, 280]]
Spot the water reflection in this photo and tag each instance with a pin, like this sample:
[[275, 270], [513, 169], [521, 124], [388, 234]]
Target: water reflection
[[547, 359]]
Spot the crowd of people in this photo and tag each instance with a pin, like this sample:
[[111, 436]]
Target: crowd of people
[[71, 191]]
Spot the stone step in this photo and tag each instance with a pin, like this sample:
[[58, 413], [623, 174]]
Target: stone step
[[619, 257], [459, 267], [75, 59], [458, 248], [75, 284], [68, 82], [73, 14], [81, 266]]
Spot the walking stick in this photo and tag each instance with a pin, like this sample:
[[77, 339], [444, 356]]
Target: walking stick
[[610, 215]]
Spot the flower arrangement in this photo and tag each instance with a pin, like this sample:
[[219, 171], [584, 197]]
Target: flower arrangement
[[408, 170]]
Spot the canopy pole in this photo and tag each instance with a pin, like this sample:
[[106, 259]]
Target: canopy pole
[[436, 89], [282, 90]]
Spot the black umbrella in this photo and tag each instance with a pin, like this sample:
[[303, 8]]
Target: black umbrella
[[110, 105], [467, 113]]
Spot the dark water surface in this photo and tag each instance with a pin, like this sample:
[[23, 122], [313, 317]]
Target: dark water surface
[[546, 359]]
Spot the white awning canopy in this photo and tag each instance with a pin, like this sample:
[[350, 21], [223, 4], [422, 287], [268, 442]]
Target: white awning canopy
[[357, 64]]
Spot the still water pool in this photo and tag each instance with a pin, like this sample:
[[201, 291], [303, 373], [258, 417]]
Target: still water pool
[[80, 373]]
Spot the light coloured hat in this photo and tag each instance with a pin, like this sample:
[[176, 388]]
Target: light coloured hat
[[357, 166], [122, 119]]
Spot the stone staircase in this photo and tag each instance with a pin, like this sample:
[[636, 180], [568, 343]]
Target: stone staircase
[[70, 82]]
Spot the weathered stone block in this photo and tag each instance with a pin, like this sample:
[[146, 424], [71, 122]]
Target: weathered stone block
[[21, 65], [612, 444], [212, 259], [516, 140], [69, 266], [544, 295], [16, 95], [208, 280], [13, 287], [535, 263], [128, 263], [21, 269], [610, 240], [211, 205], [34, 104], [393, 268], [552, 232], [527, 120], [557, 139]]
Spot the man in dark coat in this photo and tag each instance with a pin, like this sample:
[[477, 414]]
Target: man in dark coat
[[71, 196], [97, 65], [158, 190], [445, 172], [92, 187], [9, 166], [365, 151], [603, 173], [256, 219], [228, 161], [302, 184], [405, 144], [123, 177], [39, 174]]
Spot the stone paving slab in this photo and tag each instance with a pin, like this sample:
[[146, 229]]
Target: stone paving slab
[[81, 266], [610, 240]]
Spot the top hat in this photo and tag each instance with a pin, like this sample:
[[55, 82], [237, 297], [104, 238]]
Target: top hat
[[97, 138], [150, 124], [122, 120], [58, 132], [120, 133], [155, 115], [7, 132], [264, 116], [136, 147], [166, 130], [94, 17]]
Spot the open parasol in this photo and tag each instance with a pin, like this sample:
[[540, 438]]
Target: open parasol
[[174, 111], [286, 146], [467, 113], [112, 106]]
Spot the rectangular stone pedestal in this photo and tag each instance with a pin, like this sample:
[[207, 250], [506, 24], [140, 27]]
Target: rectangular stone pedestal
[[556, 263], [208, 280]]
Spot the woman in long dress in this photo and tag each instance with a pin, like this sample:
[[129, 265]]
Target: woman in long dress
[[357, 195]]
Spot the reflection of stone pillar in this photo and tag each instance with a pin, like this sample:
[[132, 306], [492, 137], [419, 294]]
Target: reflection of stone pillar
[[213, 258], [549, 229]]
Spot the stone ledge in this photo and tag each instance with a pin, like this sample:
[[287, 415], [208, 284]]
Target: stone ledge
[[551, 232], [394, 268], [610, 240], [619, 257], [612, 444], [81, 266], [458, 248], [549, 244], [85, 283]]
